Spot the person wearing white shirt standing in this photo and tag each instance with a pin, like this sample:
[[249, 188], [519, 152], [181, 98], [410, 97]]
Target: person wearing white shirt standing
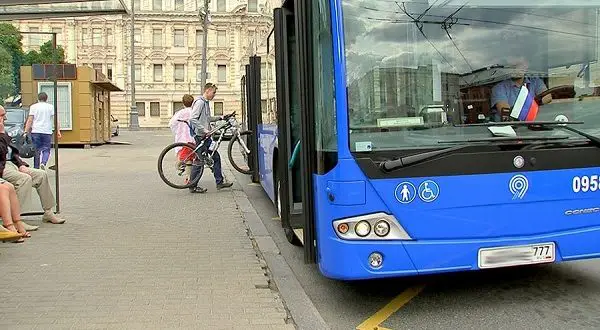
[[39, 124]]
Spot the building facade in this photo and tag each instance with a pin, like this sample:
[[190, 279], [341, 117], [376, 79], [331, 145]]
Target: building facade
[[168, 51]]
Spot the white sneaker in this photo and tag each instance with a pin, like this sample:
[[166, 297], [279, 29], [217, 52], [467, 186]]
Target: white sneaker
[[29, 227]]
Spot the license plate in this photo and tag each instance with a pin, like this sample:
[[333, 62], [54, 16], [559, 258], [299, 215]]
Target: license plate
[[517, 255]]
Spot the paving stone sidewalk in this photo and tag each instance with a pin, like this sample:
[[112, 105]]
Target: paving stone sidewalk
[[137, 254]]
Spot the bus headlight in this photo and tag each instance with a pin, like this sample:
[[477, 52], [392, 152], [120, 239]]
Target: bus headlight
[[363, 228], [375, 226], [382, 228]]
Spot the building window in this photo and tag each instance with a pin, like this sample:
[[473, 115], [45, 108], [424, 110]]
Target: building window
[[199, 39], [222, 73], [158, 72], [109, 71], [222, 38], [137, 35], [64, 101], [97, 66], [177, 106], [58, 32], [252, 6], [96, 37], [221, 5], [157, 38], [138, 72], [179, 5], [109, 37], [179, 38], [218, 109], [198, 73], [85, 40], [179, 72], [156, 5], [141, 108], [137, 5], [34, 39], [155, 109]]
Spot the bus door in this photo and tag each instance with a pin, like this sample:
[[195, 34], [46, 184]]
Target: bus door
[[295, 138], [251, 112]]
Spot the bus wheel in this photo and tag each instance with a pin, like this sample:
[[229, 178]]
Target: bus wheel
[[287, 229]]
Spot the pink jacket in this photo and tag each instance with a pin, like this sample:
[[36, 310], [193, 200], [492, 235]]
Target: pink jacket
[[179, 129]]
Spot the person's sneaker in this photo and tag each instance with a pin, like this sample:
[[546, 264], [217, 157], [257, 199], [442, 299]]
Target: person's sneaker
[[42, 167], [29, 227], [198, 190], [224, 184]]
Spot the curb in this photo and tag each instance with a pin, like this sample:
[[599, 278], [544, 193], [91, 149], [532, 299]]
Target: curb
[[303, 312]]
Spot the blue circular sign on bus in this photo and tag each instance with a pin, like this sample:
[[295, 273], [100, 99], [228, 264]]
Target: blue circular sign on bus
[[405, 192], [428, 191]]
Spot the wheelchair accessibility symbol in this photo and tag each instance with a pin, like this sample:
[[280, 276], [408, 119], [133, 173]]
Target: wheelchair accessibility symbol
[[428, 191]]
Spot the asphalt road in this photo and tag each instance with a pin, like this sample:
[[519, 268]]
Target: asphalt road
[[534, 297]]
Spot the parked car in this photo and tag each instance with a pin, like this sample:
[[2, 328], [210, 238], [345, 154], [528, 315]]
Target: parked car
[[14, 125], [114, 127]]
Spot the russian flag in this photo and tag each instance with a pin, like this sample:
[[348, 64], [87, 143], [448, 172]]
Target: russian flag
[[525, 107]]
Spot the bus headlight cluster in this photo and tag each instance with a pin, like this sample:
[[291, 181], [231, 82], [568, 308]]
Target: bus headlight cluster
[[376, 226]]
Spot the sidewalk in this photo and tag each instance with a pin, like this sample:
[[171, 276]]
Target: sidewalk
[[135, 253]]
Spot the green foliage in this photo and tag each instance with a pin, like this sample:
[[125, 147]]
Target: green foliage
[[46, 55], [7, 84], [11, 41]]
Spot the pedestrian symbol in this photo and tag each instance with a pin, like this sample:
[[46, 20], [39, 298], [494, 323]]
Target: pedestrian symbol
[[405, 192], [428, 191]]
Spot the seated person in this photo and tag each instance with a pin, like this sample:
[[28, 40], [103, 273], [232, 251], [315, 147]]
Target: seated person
[[10, 211], [14, 170], [504, 94]]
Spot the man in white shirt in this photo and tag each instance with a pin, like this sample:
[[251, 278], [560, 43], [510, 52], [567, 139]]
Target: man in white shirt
[[39, 124]]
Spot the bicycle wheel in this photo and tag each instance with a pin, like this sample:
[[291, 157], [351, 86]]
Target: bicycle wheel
[[240, 160], [175, 163]]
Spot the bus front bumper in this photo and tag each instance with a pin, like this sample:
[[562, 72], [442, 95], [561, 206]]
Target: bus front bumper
[[351, 260]]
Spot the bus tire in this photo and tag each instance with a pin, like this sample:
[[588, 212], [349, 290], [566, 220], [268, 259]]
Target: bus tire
[[290, 236]]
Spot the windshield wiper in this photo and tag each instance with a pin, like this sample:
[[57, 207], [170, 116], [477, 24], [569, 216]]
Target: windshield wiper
[[390, 165]]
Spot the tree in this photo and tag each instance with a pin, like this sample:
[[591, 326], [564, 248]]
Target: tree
[[46, 55], [7, 81], [12, 41]]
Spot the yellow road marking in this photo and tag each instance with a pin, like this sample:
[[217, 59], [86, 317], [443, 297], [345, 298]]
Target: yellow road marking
[[373, 322], [276, 218]]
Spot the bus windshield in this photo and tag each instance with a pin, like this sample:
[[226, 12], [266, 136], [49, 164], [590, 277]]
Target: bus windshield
[[418, 71]]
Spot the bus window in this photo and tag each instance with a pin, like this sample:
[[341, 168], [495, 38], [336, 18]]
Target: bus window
[[415, 70]]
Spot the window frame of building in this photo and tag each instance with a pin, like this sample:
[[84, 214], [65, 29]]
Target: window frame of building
[[137, 5], [181, 34], [179, 5], [157, 5], [34, 39], [85, 40], [141, 109], [177, 106], [154, 75], [252, 6], [222, 38], [221, 73], [154, 111], [138, 73], [199, 39], [109, 71], [58, 32], [218, 108], [137, 35], [221, 6], [181, 68], [157, 35], [97, 37], [97, 66], [198, 71]]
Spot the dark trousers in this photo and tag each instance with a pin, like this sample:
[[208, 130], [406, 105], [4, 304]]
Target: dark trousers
[[42, 143], [199, 164]]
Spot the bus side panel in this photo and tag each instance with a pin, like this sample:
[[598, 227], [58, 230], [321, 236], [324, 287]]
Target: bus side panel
[[267, 137]]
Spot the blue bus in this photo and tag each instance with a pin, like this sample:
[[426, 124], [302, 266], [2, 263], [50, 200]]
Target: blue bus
[[419, 137]]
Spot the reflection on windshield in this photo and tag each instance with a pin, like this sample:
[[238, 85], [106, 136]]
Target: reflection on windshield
[[415, 68]]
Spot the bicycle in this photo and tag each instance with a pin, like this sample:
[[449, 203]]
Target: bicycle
[[187, 153]]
